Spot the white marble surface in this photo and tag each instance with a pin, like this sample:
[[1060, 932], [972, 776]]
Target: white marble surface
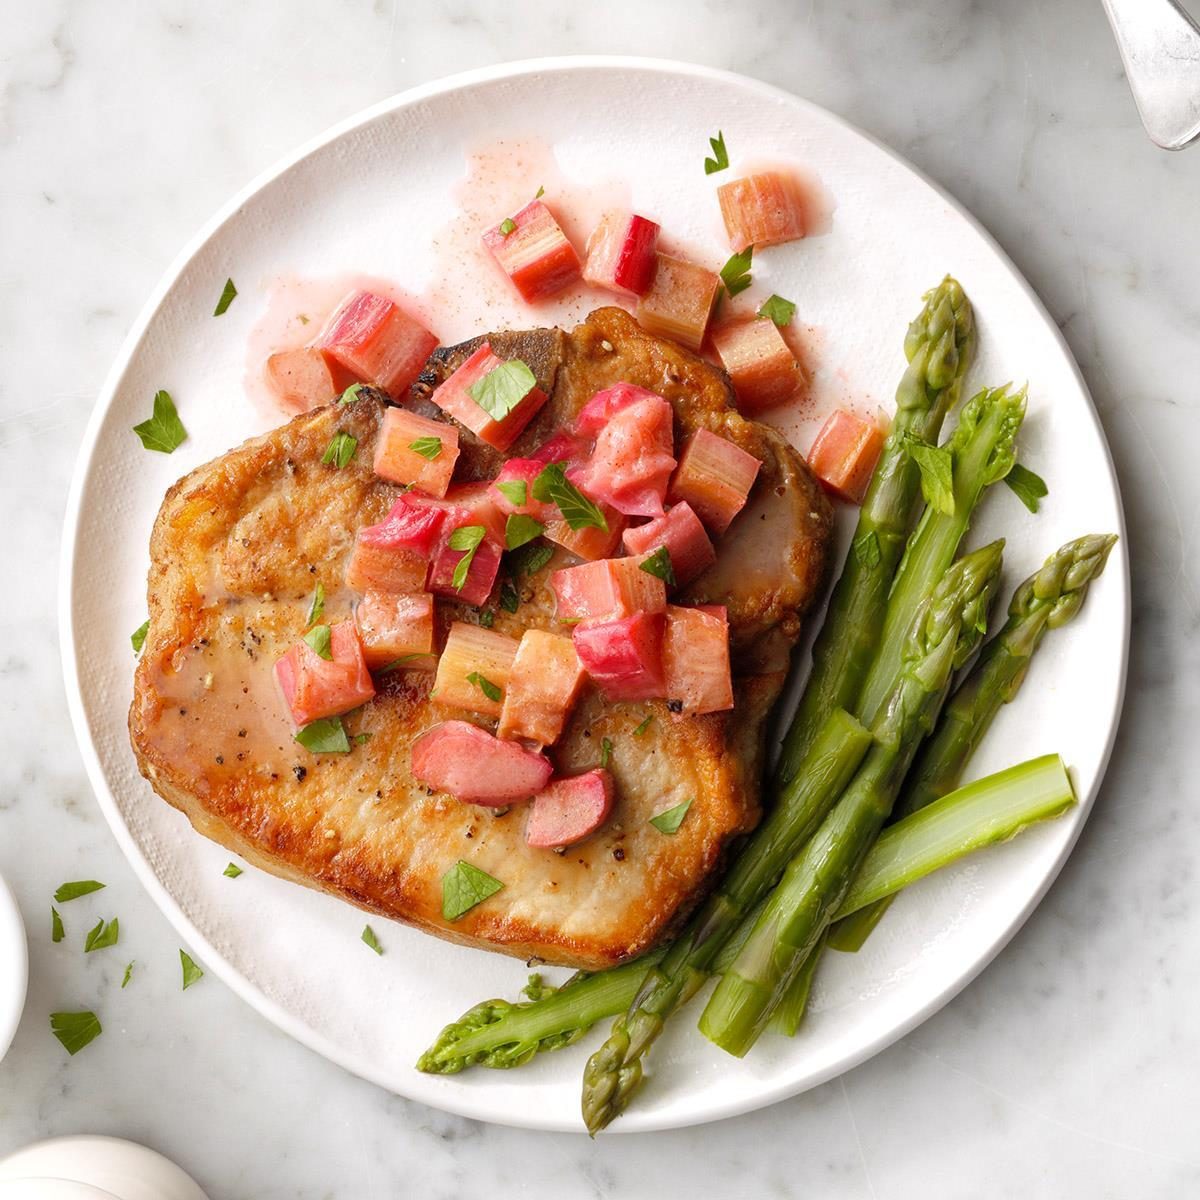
[[1068, 1069]]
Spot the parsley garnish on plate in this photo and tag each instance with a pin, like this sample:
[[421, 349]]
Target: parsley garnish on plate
[[137, 639], [520, 529], [777, 309], [515, 491], [1029, 488], [510, 598], [643, 726], [75, 889], [507, 226], [606, 749], [232, 871], [937, 474], [552, 486], [466, 538], [427, 447], [735, 274], [128, 975], [350, 395], [319, 639], [487, 618], [325, 736], [530, 559], [720, 158], [866, 549], [659, 565], [368, 936], [340, 450], [75, 1029], [57, 933], [228, 292], [503, 388], [486, 686], [670, 819], [465, 886], [317, 608], [102, 935], [164, 430], [397, 663], [191, 972]]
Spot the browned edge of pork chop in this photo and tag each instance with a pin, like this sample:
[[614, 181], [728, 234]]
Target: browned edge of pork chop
[[236, 552]]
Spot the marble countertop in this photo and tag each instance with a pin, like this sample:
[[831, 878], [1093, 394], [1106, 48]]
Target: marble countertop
[[1068, 1069]]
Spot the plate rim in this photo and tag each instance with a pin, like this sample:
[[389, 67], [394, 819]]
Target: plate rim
[[473, 1103]]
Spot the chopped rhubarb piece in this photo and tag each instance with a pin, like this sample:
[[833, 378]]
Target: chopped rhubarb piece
[[454, 398], [620, 253], [684, 537], [417, 451], [385, 568], [475, 767], [410, 525], [474, 669], [762, 210], [680, 301], [512, 489], [395, 627], [481, 571], [696, 658], [533, 252], [376, 341], [714, 477], [569, 810], [563, 448], [605, 590], [476, 504], [760, 363], [624, 657], [632, 461], [314, 687], [300, 379], [844, 455], [591, 542], [542, 688]]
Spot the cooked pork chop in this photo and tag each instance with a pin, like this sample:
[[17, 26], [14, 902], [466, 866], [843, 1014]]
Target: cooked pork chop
[[237, 550]]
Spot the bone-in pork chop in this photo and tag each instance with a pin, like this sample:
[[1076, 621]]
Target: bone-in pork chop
[[237, 550]]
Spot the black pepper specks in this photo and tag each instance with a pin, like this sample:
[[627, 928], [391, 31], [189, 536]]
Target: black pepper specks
[[619, 853], [676, 706], [299, 772]]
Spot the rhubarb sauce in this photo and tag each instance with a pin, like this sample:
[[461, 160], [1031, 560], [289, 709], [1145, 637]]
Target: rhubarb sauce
[[468, 293]]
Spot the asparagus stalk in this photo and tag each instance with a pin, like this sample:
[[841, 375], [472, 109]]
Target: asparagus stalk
[[980, 814], [789, 1012], [939, 347], [1046, 600], [614, 1072], [949, 623], [500, 1034], [981, 452]]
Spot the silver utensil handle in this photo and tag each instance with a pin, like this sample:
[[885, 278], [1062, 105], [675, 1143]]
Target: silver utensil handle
[[1160, 46]]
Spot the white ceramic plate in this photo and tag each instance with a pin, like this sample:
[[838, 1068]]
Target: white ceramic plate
[[14, 967], [374, 195]]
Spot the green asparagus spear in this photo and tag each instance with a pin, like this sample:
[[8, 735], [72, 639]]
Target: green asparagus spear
[[789, 1012], [982, 452], [614, 1072], [1046, 600], [500, 1034], [980, 814], [939, 347], [949, 622]]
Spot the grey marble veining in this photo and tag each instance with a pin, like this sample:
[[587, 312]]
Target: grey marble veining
[[1068, 1069]]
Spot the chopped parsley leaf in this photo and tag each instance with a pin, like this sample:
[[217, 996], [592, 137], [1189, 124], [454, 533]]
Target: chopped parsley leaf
[[163, 431], [228, 292]]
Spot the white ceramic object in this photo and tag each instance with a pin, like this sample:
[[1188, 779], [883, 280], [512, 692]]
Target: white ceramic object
[[93, 1168], [14, 967], [365, 197]]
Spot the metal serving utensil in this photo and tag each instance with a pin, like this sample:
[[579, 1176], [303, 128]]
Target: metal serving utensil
[[1160, 46]]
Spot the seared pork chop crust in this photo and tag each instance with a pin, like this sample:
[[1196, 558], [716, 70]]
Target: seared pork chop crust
[[236, 552]]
